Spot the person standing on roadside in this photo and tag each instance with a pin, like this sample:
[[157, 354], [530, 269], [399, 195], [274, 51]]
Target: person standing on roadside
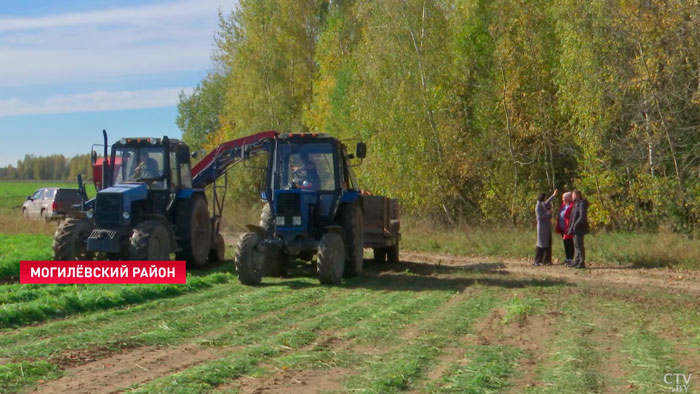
[[579, 227], [563, 221], [543, 211]]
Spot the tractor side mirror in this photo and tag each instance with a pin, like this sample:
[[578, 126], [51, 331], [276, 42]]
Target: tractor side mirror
[[93, 157], [361, 150], [29, 198], [195, 154]]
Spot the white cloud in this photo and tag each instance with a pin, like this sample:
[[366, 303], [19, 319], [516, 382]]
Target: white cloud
[[138, 15], [96, 45], [94, 101]]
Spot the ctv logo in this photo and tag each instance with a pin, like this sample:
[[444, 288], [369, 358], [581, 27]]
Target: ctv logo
[[678, 381]]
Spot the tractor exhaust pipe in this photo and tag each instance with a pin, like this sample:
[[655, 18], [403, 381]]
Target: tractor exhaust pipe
[[106, 173]]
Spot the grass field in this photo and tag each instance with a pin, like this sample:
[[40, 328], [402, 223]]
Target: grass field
[[434, 323]]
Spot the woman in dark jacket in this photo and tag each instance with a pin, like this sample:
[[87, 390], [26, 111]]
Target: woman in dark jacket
[[578, 228], [543, 211]]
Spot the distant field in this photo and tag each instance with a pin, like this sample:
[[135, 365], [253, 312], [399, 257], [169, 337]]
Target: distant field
[[14, 193]]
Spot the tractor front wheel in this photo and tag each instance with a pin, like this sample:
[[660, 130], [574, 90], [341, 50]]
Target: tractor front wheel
[[352, 222], [150, 240], [249, 260], [331, 259], [70, 240]]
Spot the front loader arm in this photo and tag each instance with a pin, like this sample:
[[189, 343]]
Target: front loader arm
[[218, 161]]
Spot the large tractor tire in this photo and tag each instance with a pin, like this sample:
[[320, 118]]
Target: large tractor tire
[[352, 222], [331, 259], [218, 251], [194, 231], [150, 240], [70, 240], [249, 260], [267, 221]]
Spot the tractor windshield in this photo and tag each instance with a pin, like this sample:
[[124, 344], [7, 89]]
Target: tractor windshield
[[140, 164], [306, 166]]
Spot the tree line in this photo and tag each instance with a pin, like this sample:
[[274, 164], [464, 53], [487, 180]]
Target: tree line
[[470, 108], [52, 167]]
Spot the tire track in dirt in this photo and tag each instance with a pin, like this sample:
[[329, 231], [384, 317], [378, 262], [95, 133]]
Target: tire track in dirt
[[119, 371]]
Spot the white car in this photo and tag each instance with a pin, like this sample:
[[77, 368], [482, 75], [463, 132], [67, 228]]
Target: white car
[[50, 203]]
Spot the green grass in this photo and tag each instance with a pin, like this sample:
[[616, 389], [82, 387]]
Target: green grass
[[84, 298], [663, 249], [14, 248], [574, 365], [518, 309], [14, 376], [488, 371]]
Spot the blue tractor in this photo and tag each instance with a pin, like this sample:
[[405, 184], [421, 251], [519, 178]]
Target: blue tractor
[[150, 203], [313, 206]]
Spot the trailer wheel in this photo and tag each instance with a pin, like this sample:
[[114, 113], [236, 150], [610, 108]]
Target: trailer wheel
[[249, 260], [150, 240], [218, 251], [380, 255], [331, 259], [70, 240], [352, 222], [392, 253], [194, 231]]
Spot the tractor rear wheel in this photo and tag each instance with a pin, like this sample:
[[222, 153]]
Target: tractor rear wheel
[[194, 231], [249, 260], [150, 240], [218, 251], [352, 222], [331, 259], [70, 240]]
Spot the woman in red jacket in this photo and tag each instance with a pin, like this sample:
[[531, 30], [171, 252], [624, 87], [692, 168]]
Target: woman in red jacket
[[563, 219]]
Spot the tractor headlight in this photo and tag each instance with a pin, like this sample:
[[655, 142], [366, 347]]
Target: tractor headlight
[[126, 215], [90, 213], [296, 221], [280, 220]]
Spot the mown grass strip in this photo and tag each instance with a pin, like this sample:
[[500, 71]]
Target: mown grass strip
[[400, 368], [160, 322], [212, 315], [650, 358], [327, 317], [488, 371], [92, 298], [574, 366]]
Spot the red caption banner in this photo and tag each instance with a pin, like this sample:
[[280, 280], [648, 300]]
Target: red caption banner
[[122, 272]]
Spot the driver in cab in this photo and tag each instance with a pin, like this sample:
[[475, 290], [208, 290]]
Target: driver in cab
[[305, 174], [147, 168]]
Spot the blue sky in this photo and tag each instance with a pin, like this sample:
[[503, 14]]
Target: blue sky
[[69, 69]]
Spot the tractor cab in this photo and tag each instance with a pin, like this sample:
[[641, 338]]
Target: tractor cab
[[159, 163], [309, 177]]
